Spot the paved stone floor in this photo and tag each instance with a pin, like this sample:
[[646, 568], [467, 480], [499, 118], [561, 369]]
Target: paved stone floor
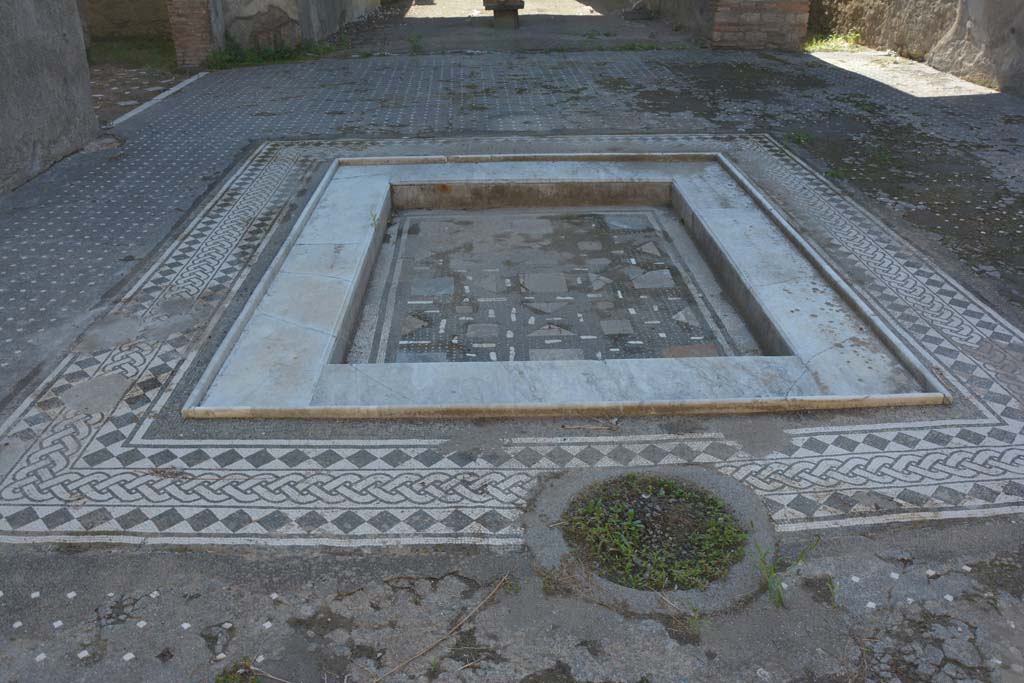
[[126, 73], [915, 605], [125, 246], [117, 90]]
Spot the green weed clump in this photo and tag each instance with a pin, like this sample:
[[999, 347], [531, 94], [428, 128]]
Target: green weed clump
[[234, 55], [836, 42], [241, 671], [768, 565], [654, 533], [635, 47]]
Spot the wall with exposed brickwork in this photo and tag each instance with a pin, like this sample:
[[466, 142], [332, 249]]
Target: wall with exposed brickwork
[[196, 29], [199, 26], [745, 24], [760, 24], [126, 18]]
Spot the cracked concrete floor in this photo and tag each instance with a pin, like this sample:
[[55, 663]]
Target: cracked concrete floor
[[934, 603]]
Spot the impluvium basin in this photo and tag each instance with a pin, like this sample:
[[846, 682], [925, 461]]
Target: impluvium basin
[[549, 285]]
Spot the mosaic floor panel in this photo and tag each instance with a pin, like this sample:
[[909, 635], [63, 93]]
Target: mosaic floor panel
[[72, 469], [538, 285]]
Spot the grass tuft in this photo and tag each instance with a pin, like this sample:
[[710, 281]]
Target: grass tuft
[[769, 572], [634, 47], [797, 138], [769, 568], [241, 671], [837, 42], [234, 55], [415, 43], [653, 533]]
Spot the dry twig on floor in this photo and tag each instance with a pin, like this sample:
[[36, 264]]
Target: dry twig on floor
[[263, 673], [466, 666], [451, 632], [670, 603], [611, 425]]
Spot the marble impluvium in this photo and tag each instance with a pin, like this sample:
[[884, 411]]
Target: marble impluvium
[[601, 284]]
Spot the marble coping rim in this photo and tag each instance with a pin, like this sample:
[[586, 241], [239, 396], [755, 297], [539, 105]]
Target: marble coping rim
[[934, 392]]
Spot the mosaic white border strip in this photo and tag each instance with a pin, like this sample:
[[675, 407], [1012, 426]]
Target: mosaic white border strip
[[162, 96], [101, 476]]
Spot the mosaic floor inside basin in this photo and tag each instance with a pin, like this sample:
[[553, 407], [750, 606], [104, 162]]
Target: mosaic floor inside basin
[[571, 284], [100, 451]]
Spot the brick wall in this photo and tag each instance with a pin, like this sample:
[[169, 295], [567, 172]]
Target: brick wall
[[760, 24], [191, 29], [125, 18]]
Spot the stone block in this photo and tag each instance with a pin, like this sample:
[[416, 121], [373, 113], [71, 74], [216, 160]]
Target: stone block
[[506, 19], [262, 23], [45, 106]]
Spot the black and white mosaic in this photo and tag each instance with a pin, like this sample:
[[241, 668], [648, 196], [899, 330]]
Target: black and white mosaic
[[537, 285], [105, 472]]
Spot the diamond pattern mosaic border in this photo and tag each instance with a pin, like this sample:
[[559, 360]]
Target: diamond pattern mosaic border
[[101, 476]]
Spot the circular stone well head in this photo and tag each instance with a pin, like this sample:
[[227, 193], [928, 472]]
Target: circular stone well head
[[659, 539], [651, 532]]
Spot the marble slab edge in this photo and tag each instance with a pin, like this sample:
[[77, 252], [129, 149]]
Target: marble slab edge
[[631, 409]]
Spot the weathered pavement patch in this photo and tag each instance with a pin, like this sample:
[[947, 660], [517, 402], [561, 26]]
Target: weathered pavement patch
[[938, 604]]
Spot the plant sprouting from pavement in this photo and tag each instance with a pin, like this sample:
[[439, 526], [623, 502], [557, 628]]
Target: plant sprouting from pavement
[[766, 565], [837, 42], [769, 568]]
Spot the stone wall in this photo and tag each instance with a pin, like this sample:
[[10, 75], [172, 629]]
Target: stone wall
[[262, 23], [979, 40], [267, 23], [696, 16], [45, 108], [322, 18], [200, 26], [127, 18], [746, 24]]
